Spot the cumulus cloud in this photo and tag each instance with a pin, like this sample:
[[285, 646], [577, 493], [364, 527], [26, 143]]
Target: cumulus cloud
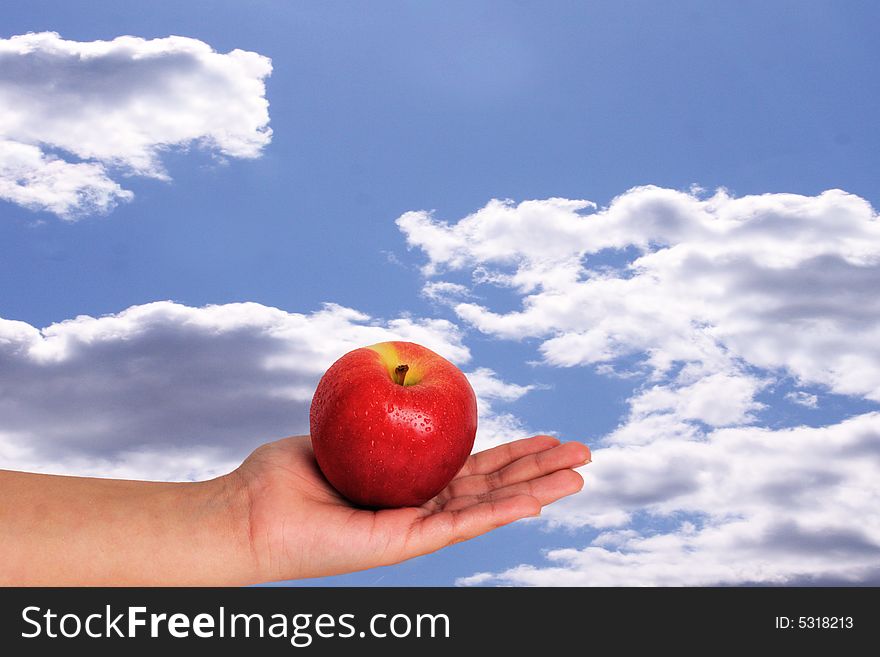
[[753, 506], [72, 114], [708, 301], [38, 181], [166, 391], [171, 392], [718, 399], [496, 427], [772, 281]]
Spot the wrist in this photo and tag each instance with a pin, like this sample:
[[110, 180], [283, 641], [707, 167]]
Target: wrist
[[224, 506]]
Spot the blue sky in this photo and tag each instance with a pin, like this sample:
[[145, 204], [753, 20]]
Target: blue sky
[[394, 107]]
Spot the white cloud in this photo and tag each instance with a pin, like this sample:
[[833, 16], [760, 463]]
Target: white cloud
[[72, 111], [445, 292], [166, 391], [772, 281], [170, 392], [709, 301], [498, 233], [719, 399], [773, 507], [496, 427], [488, 386], [802, 398], [38, 181]]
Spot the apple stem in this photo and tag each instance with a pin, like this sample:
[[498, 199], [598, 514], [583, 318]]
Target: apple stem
[[400, 374]]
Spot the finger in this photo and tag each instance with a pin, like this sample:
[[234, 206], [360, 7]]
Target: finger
[[526, 468], [497, 457], [546, 490], [441, 529]]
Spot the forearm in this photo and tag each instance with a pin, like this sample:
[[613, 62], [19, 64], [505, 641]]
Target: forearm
[[82, 531]]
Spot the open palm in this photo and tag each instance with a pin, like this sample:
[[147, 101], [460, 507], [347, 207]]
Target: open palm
[[301, 527]]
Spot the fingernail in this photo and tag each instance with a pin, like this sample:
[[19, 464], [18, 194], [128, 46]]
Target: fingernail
[[589, 457]]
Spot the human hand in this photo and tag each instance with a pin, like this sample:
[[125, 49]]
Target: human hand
[[274, 517], [297, 525]]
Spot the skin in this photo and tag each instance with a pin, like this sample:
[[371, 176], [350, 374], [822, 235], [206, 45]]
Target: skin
[[273, 518]]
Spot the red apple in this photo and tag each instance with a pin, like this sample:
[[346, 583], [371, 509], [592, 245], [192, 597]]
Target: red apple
[[392, 424]]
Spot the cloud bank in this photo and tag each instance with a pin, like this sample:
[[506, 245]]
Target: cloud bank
[[74, 114], [777, 281], [166, 391], [718, 301], [170, 392], [746, 505]]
